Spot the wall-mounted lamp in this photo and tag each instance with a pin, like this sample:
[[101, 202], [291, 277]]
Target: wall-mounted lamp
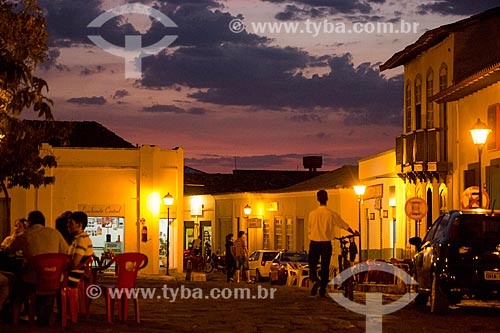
[[247, 210]]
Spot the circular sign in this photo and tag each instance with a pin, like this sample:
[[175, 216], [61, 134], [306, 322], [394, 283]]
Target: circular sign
[[470, 198], [416, 208]]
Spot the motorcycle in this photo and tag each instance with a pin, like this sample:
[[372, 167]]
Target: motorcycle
[[216, 262]]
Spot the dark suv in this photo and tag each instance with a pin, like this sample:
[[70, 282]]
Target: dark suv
[[458, 258]]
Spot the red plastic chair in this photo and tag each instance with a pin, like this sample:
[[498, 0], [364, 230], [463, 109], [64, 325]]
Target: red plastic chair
[[127, 265], [77, 297], [50, 271]]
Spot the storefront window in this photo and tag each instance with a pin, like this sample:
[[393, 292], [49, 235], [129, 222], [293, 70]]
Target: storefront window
[[106, 233]]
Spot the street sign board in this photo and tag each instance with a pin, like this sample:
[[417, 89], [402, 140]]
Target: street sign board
[[416, 208]]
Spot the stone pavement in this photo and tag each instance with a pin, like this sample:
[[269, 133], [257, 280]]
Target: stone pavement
[[290, 309]]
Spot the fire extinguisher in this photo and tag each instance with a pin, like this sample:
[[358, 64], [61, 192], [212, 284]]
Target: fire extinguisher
[[144, 234]]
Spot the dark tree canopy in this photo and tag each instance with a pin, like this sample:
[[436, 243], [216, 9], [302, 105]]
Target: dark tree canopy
[[23, 45]]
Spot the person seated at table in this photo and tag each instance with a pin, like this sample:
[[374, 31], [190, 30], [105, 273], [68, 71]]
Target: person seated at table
[[36, 239], [81, 247], [19, 227], [62, 226]]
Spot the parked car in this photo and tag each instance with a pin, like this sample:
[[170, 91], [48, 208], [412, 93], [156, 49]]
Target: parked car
[[278, 272], [458, 257], [259, 263]]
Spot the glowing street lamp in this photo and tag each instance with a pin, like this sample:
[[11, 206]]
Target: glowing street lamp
[[360, 191], [479, 133], [168, 200], [247, 210]]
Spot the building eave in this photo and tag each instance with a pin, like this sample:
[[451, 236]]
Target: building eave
[[469, 85], [432, 38]]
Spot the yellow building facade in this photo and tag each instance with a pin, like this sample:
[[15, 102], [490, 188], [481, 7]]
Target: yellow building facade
[[451, 77], [121, 191]]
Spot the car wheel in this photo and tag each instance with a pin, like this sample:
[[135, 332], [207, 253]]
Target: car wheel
[[439, 300], [258, 277]]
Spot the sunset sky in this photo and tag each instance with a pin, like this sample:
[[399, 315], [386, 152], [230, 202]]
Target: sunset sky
[[252, 99]]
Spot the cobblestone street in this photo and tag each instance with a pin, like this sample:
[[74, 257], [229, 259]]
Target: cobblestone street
[[291, 310]]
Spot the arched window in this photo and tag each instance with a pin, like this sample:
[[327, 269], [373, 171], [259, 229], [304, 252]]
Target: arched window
[[408, 108], [418, 102], [429, 87], [443, 77]]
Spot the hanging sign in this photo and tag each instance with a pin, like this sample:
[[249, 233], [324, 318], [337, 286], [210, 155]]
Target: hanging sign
[[254, 223]]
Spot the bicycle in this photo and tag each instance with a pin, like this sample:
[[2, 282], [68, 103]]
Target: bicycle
[[347, 247]]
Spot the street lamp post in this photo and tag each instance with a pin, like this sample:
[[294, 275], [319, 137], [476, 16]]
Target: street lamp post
[[247, 210], [479, 133], [168, 200], [360, 191]]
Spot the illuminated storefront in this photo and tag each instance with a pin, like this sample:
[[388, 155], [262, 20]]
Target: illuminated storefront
[[119, 189]]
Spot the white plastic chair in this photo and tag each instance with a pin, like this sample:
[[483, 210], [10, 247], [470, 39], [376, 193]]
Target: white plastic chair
[[296, 275]]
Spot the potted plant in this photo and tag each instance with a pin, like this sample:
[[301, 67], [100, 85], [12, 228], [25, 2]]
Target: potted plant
[[163, 248]]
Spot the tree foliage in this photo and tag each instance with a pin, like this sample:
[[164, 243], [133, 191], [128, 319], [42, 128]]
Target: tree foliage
[[23, 46]]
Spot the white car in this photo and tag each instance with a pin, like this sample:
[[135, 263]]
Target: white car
[[260, 263]]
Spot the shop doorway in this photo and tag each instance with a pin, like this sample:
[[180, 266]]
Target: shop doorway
[[164, 242], [188, 235], [224, 228], [207, 237]]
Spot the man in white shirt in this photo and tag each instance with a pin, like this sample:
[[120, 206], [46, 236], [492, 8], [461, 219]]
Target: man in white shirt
[[321, 230]]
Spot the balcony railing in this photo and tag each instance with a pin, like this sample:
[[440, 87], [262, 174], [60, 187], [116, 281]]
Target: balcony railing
[[423, 150]]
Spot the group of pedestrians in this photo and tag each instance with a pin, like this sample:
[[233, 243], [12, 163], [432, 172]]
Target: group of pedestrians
[[237, 258], [31, 237]]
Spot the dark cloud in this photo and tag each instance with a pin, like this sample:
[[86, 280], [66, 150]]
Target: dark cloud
[[199, 24], [301, 9], [197, 111], [89, 71], [244, 162], [457, 7], [364, 94], [121, 93], [292, 13], [323, 136], [340, 6], [67, 20], [265, 161], [87, 100], [223, 67], [160, 108], [267, 77], [306, 118]]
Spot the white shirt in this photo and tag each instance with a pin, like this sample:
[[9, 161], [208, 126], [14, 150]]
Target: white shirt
[[322, 222]]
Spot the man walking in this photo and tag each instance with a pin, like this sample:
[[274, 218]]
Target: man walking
[[240, 252], [321, 231]]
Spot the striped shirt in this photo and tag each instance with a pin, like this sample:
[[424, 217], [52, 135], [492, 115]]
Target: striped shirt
[[82, 244]]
